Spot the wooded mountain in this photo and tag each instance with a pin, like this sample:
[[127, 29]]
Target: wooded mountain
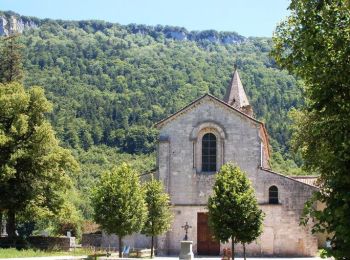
[[110, 83]]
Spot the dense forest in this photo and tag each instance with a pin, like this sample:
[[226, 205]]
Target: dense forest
[[111, 83]]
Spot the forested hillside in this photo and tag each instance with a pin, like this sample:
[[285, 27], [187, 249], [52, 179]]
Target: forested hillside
[[110, 84]]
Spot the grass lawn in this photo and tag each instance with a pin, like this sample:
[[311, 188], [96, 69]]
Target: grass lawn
[[12, 252]]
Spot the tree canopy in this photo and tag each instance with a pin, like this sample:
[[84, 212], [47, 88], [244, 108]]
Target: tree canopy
[[159, 212], [313, 43], [118, 202], [233, 209], [34, 169]]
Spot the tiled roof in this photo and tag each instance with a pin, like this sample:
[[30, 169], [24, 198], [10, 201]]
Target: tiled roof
[[311, 180], [294, 178]]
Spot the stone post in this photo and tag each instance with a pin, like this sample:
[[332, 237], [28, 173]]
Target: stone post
[[186, 252]]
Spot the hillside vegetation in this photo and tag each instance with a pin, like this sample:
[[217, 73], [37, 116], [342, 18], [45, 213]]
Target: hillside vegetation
[[110, 84]]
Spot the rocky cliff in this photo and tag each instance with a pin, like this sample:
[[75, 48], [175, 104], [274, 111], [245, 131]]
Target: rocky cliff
[[11, 23], [181, 34]]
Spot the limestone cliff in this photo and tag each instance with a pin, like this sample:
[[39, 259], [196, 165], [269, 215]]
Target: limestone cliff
[[11, 23]]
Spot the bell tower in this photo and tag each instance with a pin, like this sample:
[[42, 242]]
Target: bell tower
[[235, 95]]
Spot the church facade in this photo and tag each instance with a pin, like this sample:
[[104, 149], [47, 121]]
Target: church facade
[[194, 143]]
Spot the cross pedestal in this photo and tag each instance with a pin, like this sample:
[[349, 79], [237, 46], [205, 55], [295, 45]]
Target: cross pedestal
[[186, 252]]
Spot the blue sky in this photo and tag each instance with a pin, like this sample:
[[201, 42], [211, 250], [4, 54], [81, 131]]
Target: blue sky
[[247, 17]]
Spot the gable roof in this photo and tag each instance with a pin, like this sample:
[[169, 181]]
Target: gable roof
[[193, 103], [215, 99], [310, 179], [289, 177]]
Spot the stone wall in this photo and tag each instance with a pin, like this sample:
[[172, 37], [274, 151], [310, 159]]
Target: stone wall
[[183, 214], [135, 241], [282, 235], [177, 157], [91, 240], [52, 242], [41, 242]]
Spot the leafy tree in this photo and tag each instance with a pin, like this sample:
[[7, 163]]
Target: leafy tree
[[159, 211], [65, 218], [33, 167], [118, 202], [233, 208], [94, 162], [68, 219], [313, 43], [11, 59]]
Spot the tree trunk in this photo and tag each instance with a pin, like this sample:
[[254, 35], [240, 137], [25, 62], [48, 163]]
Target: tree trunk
[[244, 251], [1, 226], [233, 248], [11, 224], [152, 242], [120, 247]]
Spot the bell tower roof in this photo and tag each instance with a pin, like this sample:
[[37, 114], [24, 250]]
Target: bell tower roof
[[235, 94]]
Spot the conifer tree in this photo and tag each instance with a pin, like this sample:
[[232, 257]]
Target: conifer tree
[[118, 202], [11, 68], [233, 208], [159, 212]]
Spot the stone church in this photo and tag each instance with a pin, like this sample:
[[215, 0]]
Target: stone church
[[194, 143]]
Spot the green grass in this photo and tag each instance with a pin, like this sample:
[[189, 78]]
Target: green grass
[[12, 253]]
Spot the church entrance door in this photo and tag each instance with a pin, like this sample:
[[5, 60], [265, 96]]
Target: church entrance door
[[206, 245]]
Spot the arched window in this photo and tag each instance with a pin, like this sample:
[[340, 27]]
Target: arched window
[[209, 153], [273, 195]]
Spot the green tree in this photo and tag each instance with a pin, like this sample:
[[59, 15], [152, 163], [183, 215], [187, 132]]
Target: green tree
[[68, 219], [11, 68], [118, 202], [233, 208], [65, 218], [159, 211], [33, 167], [313, 43]]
